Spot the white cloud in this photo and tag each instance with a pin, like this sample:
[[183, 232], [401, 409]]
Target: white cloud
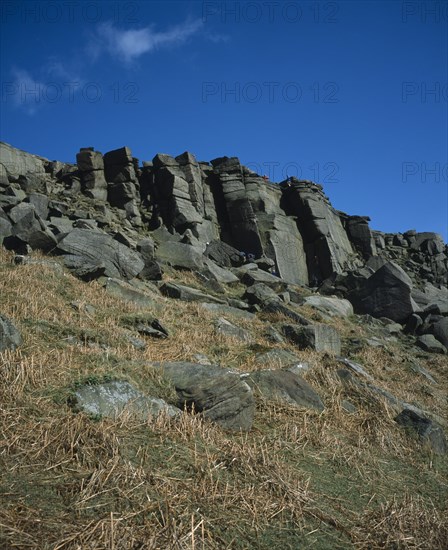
[[129, 45]]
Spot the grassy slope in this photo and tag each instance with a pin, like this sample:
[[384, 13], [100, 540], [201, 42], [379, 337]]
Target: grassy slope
[[297, 480]]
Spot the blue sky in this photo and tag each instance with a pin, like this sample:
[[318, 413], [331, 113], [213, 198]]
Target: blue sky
[[351, 94]]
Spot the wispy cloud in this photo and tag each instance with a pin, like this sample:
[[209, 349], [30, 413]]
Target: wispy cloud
[[51, 83], [128, 45]]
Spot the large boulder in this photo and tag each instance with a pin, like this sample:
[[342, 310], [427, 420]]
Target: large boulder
[[28, 228], [98, 250], [386, 293], [218, 394], [113, 398], [285, 386], [187, 294], [179, 255], [330, 305]]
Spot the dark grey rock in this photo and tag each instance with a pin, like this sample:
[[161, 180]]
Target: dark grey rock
[[9, 335], [332, 306], [221, 274], [111, 399], [40, 203], [427, 430], [386, 293], [281, 358], [218, 394], [274, 336], [429, 343], [223, 254], [440, 331], [223, 309], [285, 386], [179, 255], [125, 291], [413, 324], [225, 328], [187, 294], [355, 367], [259, 293], [94, 248], [318, 337], [257, 276]]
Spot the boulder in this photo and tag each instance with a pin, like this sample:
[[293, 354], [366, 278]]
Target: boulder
[[225, 328], [440, 331], [221, 274], [223, 254], [179, 255], [258, 276], [28, 228], [281, 358], [94, 249], [218, 394], [386, 293], [429, 343], [112, 398], [318, 337], [187, 294], [9, 335], [223, 309], [285, 386], [125, 291], [332, 306], [426, 430]]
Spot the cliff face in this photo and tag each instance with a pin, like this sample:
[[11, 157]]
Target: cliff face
[[291, 224]]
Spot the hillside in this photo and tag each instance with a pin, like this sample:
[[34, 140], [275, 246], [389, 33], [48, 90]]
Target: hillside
[[193, 357]]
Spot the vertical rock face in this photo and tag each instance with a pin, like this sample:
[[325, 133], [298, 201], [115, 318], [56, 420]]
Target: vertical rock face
[[122, 183], [280, 237], [239, 226], [327, 246], [91, 168], [361, 236], [291, 227]]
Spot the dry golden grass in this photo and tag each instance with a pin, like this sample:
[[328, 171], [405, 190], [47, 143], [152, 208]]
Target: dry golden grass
[[299, 479]]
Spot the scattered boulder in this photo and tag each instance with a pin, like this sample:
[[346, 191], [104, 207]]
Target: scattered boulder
[[223, 309], [282, 358], [330, 305], [426, 430], [440, 331], [112, 398], [225, 328], [318, 337], [10, 337], [125, 291], [429, 343], [179, 255], [218, 394], [285, 386], [187, 294], [100, 254], [386, 293]]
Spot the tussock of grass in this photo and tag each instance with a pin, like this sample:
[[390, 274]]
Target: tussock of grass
[[299, 479]]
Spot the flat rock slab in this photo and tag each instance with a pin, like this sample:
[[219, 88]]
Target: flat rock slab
[[285, 386], [225, 328], [318, 337], [222, 309], [282, 358], [112, 398], [355, 367], [187, 294], [217, 393], [335, 307], [99, 249], [221, 274], [9, 335], [258, 276], [179, 255], [126, 292]]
